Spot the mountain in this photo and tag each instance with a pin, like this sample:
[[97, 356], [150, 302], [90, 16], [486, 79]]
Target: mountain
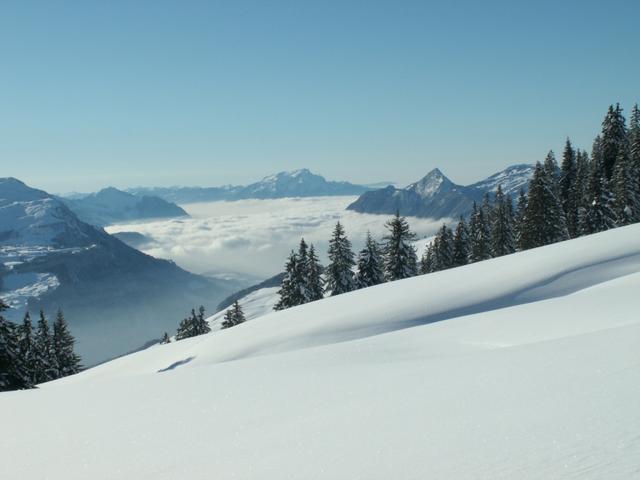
[[435, 196], [297, 183], [110, 205], [521, 367], [115, 297]]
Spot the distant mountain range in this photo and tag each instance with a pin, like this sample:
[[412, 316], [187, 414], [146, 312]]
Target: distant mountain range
[[435, 196], [297, 183], [110, 205], [115, 297]]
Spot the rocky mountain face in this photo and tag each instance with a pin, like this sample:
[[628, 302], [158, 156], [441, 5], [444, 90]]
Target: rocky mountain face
[[110, 205], [435, 196], [297, 183], [115, 297]]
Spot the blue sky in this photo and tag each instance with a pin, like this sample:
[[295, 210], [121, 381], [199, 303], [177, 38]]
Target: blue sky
[[125, 93]]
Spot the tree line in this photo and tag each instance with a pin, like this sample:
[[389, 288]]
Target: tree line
[[30, 356], [585, 194]]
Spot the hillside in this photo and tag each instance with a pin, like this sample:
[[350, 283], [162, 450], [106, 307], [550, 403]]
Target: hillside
[[436, 196], [110, 205], [524, 366], [115, 297]]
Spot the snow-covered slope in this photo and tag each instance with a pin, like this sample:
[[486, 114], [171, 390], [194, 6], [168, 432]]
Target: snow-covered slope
[[525, 366]]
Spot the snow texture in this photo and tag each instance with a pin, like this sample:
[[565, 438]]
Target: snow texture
[[524, 366]]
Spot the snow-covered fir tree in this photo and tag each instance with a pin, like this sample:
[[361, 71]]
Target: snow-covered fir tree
[[567, 187], [544, 221], [45, 359], [443, 249], [502, 234], [289, 292], [427, 262], [520, 215], [597, 215], [614, 139], [479, 235], [13, 375], [67, 361], [626, 197], [400, 258], [461, 244], [194, 325], [315, 285], [339, 277], [26, 347], [369, 264], [233, 316], [165, 339]]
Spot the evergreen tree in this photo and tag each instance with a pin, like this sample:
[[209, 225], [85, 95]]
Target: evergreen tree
[[544, 221], [597, 214], [339, 272], [46, 367], [315, 287], [200, 324], [581, 188], [165, 339], [233, 316], [401, 260], [302, 273], [427, 262], [479, 235], [13, 375], [502, 235], [567, 188], [26, 348], [614, 139], [290, 294], [369, 264], [443, 249], [626, 198], [634, 139], [67, 361], [461, 244], [521, 213], [551, 171]]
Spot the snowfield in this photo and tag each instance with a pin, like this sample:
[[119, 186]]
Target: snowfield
[[521, 367]]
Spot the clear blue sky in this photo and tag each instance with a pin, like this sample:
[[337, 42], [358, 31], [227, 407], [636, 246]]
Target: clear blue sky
[[96, 93]]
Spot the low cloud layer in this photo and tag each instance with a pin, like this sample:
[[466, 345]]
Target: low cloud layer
[[253, 237]]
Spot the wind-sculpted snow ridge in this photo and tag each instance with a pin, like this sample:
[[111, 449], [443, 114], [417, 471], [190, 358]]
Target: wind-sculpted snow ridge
[[523, 367]]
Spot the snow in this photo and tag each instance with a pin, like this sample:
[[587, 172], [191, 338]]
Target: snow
[[525, 366]]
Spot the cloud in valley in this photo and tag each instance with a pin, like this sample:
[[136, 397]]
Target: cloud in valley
[[253, 237]]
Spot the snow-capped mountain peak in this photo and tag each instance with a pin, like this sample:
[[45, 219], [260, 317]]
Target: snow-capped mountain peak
[[435, 181]]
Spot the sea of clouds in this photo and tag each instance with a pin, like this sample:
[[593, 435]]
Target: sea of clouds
[[252, 238]]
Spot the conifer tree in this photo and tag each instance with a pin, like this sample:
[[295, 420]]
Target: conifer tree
[[339, 272], [26, 348], [165, 339], [634, 144], [479, 235], [461, 244], [67, 361], [443, 249], [427, 262], [626, 198], [521, 212], [233, 316], [401, 260], [369, 264], [45, 359], [567, 188], [551, 171], [502, 235], [544, 221], [597, 214], [289, 292], [200, 324], [582, 183], [13, 375], [315, 287], [614, 139]]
